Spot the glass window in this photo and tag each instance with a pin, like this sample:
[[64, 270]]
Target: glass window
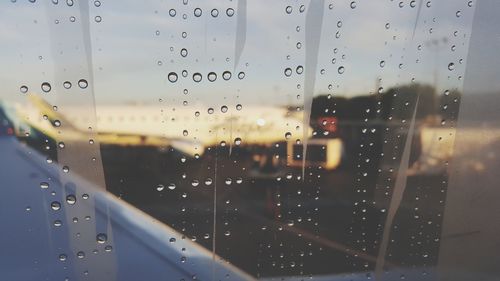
[[243, 140]]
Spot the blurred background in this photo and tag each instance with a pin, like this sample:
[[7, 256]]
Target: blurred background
[[293, 139]]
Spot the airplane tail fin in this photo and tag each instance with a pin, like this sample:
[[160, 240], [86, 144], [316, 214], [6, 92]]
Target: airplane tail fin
[[47, 109]]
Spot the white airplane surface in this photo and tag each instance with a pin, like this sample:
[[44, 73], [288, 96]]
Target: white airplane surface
[[188, 129]]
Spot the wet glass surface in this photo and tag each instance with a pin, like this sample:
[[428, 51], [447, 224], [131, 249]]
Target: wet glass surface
[[242, 140]]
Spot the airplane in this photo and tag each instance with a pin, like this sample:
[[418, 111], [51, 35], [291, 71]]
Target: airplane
[[188, 130]]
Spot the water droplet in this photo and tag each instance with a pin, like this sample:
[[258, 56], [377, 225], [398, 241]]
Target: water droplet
[[80, 254], [172, 77], [288, 9], [223, 109], [65, 169], [195, 183], [55, 205], [184, 53], [172, 12], [226, 75], [210, 110], [97, 3], [237, 141], [197, 12], [171, 186], [208, 181], [288, 135], [46, 87], [341, 70], [230, 12], [382, 63], [353, 4], [98, 19], [214, 13], [241, 75], [101, 238], [212, 76], [108, 248], [71, 199], [82, 83], [62, 257], [451, 66], [299, 69], [197, 77], [67, 84], [23, 89], [239, 107], [160, 187], [288, 72], [44, 185]]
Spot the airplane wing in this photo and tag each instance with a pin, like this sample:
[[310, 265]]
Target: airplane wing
[[62, 228]]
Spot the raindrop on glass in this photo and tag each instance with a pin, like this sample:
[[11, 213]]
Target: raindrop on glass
[[55, 205], [197, 77], [46, 87], [212, 76], [23, 89], [71, 199], [82, 83], [226, 75], [197, 12], [172, 77]]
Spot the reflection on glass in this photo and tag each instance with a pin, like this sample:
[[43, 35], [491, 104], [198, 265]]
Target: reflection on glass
[[241, 140]]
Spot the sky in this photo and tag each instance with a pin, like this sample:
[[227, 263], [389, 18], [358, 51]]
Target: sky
[[136, 44]]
